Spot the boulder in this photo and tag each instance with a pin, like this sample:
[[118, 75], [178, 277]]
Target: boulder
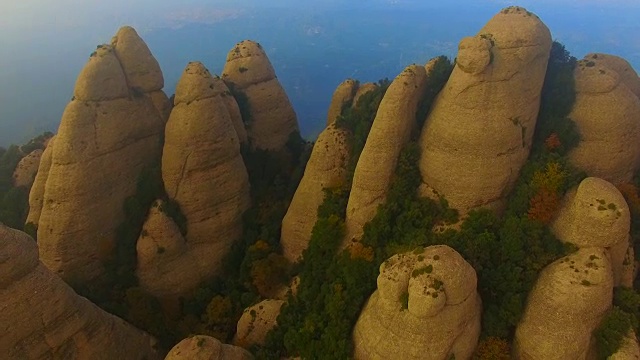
[[326, 169], [26, 170], [256, 321], [627, 74], [479, 131], [109, 133], [426, 307], [342, 97], [250, 75], [567, 303], [595, 214], [41, 317], [36, 195], [390, 132], [607, 115], [201, 347], [204, 173]]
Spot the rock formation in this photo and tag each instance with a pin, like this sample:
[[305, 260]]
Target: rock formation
[[41, 317], [256, 322], [36, 195], [26, 170], [342, 97], [596, 215], [232, 107], [426, 307], [363, 89], [203, 171], [110, 131], [390, 131], [478, 133], [629, 350], [201, 347], [607, 114], [567, 303], [272, 119], [628, 75], [326, 168]]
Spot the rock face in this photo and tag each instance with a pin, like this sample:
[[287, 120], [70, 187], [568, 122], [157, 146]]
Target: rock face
[[363, 89], [41, 317], [271, 117], [25, 172], [628, 76], [203, 171], [629, 350], [342, 97], [440, 316], [390, 131], [201, 347], [596, 215], [256, 322], [109, 133], [36, 195], [478, 133], [326, 168], [232, 107], [607, 114], [567, 303]]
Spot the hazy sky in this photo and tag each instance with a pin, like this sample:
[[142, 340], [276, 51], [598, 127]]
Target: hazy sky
[[44, 43]]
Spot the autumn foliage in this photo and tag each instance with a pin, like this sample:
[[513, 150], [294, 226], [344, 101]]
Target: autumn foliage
[[547, 184], [493, 348], [552, 142], [359, 251]]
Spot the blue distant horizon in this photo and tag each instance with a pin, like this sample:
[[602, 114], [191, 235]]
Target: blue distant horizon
[[312, 47]]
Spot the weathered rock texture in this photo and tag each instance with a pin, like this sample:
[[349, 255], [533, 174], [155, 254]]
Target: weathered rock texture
[[390, 131], [109, 133], [627, 74], [567, 303], [478, 133], [203, 172], [607, 114], [440, 318], [630, 349], [326, 168], [232, 107], [342, 97], [271, 117], [25, 172], [256, 322], [596, 215], [36, 195], [166, 264], [41, 317], [201, 347]]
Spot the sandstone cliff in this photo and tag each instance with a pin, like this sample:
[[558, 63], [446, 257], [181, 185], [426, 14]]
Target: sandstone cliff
[[26, 170], [326, 168], [342, 97], [607, 114], [256, 322], [627, 74], [201, 347], [596, 215], [426, 307], [203, 171], [36, 195], [109, 132], [478, 133], [390, 131], [41, 317], [271, 118], [232, 107], [363, 89], [567, 303]]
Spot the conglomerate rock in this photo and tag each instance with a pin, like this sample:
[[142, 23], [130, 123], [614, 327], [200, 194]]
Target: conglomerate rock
[[201, 347], [272, 119], [110, 131], [479, 131], [426, 307], [41, 317]]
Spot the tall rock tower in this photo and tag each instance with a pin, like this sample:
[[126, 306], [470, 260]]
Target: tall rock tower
[[478, 134], [266, 107], [109, 132]]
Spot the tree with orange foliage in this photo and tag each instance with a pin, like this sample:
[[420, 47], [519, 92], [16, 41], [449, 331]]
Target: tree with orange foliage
[[552, 142], [547, 184], [493, 348], [359, 251]]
